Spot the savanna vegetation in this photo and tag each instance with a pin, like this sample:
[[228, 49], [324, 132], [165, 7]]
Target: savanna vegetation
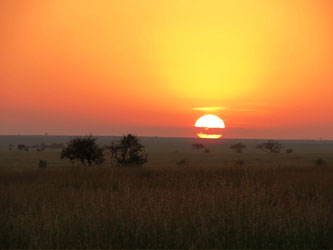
[[181, 198]]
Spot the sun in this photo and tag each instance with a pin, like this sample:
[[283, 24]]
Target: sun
[[209, 127]]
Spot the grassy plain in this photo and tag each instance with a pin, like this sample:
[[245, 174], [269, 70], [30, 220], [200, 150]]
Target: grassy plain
[[272, 201]]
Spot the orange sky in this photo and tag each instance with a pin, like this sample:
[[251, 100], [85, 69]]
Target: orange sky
[[149, 67]]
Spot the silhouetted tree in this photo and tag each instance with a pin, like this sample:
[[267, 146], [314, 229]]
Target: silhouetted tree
[[197, 146], [128, 151], [238, 147], [270, 147], [85, 150]]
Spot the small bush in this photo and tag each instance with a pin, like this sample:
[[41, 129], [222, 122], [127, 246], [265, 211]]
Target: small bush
[[270, 147], [22, 147], [320, 162], [289, 150], [206, 151], [238, 147], [197, 146]]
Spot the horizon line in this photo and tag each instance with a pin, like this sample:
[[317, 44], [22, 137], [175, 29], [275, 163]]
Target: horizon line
[[170, 137]]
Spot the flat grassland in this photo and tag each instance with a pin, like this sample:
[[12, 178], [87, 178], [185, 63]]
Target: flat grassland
[[272, 201]]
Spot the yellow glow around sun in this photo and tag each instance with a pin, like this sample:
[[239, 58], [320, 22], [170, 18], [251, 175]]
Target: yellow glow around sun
[[209, 127], [209, 121]]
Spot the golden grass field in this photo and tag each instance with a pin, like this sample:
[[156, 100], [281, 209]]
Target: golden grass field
[[272, 201]]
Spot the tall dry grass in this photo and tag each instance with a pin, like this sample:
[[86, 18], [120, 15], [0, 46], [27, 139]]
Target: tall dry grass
[[175, 208]]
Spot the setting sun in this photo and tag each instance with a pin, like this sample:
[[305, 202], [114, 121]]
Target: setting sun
[[209, 127]]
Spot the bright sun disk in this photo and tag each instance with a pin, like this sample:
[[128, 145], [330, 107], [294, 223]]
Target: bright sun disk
[[209, 121], [209, 127]]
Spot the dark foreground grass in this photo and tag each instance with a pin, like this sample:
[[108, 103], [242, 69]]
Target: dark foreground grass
[[176, 208]]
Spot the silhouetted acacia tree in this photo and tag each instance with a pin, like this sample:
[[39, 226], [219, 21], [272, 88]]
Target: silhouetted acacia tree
[[197, 146], [128, 151], [238, 147], [85, 150], [270, 146]]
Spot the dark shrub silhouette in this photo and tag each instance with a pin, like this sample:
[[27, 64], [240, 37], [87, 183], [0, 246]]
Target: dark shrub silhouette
[[270, 147], [197, 146], [289, 150], [10, 147], [238, 147], [206, 151], [85, 150], [128, 151], [320, 162]]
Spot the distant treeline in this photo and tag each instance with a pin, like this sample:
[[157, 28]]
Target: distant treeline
[[37, 147]]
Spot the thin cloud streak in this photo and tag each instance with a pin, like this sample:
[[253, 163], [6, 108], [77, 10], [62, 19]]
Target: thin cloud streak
[[210, 109]]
